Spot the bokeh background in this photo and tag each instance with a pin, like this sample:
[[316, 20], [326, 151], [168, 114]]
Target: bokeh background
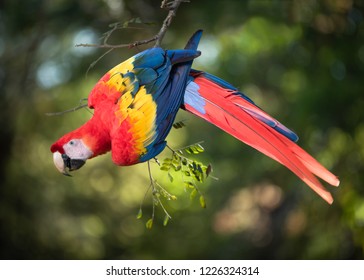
[[301, 60]]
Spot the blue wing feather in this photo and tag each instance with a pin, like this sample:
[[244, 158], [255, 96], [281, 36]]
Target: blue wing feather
[[146, 75], [150, 58], [168, 88]]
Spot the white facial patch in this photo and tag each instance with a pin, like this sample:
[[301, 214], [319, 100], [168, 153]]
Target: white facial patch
[[76, 149], [58, 162]]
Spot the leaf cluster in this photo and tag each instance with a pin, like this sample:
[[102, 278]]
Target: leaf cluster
[[191, 172]]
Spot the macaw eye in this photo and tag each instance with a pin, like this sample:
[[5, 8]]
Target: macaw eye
[[71, 142]]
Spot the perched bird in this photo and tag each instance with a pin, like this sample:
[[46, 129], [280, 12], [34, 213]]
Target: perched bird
[[136, 102]]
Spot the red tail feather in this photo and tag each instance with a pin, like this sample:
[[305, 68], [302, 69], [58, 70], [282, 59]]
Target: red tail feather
[[234, 115]]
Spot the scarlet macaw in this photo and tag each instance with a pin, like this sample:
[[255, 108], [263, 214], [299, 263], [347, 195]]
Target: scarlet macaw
[[136, 102]]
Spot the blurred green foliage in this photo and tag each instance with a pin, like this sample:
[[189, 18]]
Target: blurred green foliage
[[302, 61]]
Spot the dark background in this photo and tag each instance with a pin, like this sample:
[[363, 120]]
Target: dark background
[[302, 61]]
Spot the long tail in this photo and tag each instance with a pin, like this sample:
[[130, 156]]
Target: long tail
[[223, 105]]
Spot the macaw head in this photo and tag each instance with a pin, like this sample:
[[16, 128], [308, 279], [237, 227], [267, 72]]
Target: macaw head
[[71, 151]]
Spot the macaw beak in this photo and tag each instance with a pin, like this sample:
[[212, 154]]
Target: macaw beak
[[65, 164]]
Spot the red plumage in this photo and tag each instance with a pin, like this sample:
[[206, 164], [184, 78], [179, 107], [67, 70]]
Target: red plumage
[[238, 117]]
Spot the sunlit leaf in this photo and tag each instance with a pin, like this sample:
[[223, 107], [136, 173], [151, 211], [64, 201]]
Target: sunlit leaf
[[140, 214], [149, 224], [199, 148], [177, 168], [165, 167], [189, 150], [202, 201], [199, 177], [170, 177], [194, 149], [189, 185]]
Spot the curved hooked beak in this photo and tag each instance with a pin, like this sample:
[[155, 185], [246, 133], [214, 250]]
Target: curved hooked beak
[[65, 164]]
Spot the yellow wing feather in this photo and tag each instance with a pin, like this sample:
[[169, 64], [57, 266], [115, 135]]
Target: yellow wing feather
[[140, 111]]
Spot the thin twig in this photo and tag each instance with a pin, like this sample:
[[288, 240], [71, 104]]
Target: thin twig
[[154, 184], [171, 6], [128, 45], [67, 111], [153, 188], [97, 60]]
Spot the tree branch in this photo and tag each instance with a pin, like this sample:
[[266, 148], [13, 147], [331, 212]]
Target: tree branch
[[69, 110], [171, 6]]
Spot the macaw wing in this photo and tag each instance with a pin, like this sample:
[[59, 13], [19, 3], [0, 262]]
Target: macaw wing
[[129, 75], [148, 90], [169, 96], [170, 99]]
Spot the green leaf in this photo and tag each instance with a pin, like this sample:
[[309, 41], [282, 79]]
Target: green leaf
[[189, 150], [140, 214], [165, 166], [199, 148], [194, 165], [193, 194], [176, 156], [170, 177], [199, 167], [199, 177], [166, 220], [189, 185], [177, 168], [194, 149], [202, 201], [149, 224]]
